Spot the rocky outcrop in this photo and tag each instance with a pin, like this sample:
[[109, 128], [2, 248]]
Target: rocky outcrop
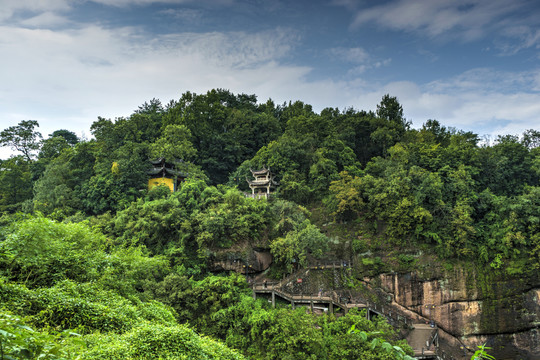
[[473, 307], [247, 262]]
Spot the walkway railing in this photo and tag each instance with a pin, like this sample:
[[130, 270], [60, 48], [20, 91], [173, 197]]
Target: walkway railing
[[394, 317]]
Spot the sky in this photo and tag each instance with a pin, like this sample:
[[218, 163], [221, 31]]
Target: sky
[[470, 64]]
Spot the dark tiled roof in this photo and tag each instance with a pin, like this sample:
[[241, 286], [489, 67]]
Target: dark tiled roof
[[263, 171], [172, 172]]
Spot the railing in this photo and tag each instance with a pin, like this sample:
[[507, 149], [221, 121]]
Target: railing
[[330, 265], [394, 317], [258, 195]]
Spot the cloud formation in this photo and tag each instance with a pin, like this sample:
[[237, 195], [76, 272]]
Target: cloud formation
[[468, 19], [11, 8], [65, 73]]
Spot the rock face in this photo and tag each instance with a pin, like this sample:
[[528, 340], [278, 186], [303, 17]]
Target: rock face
[[256, 260], [473, 308]]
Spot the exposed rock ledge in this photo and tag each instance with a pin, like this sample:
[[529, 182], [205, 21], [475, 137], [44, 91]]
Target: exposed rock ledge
[[472, 309]]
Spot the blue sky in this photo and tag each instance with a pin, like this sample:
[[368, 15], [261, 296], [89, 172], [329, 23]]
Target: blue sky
[[471, 64]]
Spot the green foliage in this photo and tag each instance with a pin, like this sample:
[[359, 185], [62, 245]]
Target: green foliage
[[22, 137], [154, 223], [54, 193], [307, 157], [297, 244], [84, 307], [196, 302], [193, 221], [434, 187], [52, 147], [439, 188], [40, 252], [287, 335], [70, 137], [19, 341], [15, 184], [154, 341], [366, 344], [226, 128], [113, 191], [174, 144], [482, 354], [346, 200]]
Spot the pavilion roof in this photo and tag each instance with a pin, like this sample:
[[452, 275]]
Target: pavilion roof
[[271, 181], [166, 168], [262, 171]]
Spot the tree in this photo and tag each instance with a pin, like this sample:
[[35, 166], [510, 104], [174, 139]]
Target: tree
[[346, 201], [52, 147], [391, 110], [175, 144], [15, 183], [531, 138], [53, 191], [297, 244], [69, 136], [23, 137], [114, 190], [391, 125]]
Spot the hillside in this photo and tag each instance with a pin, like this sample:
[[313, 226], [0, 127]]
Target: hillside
[[429, 216]]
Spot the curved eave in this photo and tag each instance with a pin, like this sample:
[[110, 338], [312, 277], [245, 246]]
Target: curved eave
[[262, 183], [263, 171], [172, 172], [175, 173], [161, 161]]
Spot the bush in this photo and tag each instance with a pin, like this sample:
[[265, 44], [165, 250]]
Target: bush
[[41, 252], [18, 341], [155, 341], [84, 307]]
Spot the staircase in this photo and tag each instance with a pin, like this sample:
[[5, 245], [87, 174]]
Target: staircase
[[421, 339]]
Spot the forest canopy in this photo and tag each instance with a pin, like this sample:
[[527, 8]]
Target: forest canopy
[[82, 234], [433, 185]]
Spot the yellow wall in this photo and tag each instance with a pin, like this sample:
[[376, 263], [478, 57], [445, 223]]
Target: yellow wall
[[161, 181]]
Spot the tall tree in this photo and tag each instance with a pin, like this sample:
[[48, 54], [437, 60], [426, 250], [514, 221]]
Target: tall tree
[[15, 183], [390, 109], [23, 137], [69, 136], [391, 125]]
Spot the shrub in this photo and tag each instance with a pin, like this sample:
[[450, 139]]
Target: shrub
[[156, 341]]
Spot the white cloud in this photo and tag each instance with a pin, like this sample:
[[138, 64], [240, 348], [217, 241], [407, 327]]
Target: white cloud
[[522, 37], [45, 20], [72, 76], [355, 55], [66, 78], [234, 49], [11, 7], [190, 16], [469, 18], [477, 100], [359, 57], [124, 3]]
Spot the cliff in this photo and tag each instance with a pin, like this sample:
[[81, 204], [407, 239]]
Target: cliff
[[471, 306]]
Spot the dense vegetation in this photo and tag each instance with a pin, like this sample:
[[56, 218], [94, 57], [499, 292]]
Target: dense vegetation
[[94, 264]]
